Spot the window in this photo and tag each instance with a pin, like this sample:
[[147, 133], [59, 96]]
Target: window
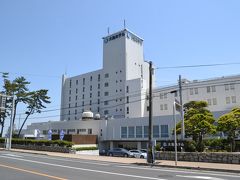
[[98, 86], [99, 77], [161, 107], [234, 99], [105, 102], [127, 99], [208, 89], [98, 109], [90, 78], [91, 88], [164, 131], [69, 98], [83, 96], [196, 90], [69, 105], [106, 75], [123, 132], [232, 87], [106, 93], [75, 104], [106, 112], [213, 88], [165, 95], [191, 91], [139, 132], [209, 101], [76, 82], [226, 87], [70, 83], [90, 102], [75, 111], [145, 131], [127, 110], [76, 97], [83, 103], [131, 132], [69, 112], [75, 117], [76, 90], [165, 107], [98, 93], [70, 92], [106, 84], [90, 95], [161, 96], [89, 131], [83, 81], [83, 89], [156, 131], [214, 101], [127, 89], [98, 101], [227, 100]]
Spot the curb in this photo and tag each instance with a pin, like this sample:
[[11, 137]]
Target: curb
[[189, 167]]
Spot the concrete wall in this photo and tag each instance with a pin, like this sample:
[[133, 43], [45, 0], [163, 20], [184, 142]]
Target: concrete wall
[[229, 158]]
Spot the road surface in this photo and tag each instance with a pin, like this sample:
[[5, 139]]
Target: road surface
[[24, 166]]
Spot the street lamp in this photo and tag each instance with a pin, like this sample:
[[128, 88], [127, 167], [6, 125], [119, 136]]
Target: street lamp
[[176, 107]]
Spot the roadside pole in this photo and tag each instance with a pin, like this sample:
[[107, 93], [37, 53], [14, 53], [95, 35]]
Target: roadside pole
[[181, 108], [175, 133], [150, 143], [11, 125]]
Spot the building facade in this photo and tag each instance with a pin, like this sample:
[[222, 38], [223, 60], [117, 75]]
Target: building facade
[[117, 90], [119, 93]]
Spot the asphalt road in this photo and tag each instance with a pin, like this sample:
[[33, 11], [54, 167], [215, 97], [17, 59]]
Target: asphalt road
[[23, 166]]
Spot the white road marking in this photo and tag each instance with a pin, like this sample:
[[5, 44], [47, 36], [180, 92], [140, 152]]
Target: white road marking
[[12, 155], [201, 177], [83, 169], [184, 172], [68, 160]]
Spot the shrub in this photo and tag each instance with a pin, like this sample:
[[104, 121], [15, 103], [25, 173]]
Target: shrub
[[39, 142], [85, 148]]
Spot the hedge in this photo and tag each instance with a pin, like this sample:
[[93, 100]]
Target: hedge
[[39, 142], [85, 148]]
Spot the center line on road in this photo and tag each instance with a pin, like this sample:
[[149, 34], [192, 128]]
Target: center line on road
[[83, 169], [31, 172]]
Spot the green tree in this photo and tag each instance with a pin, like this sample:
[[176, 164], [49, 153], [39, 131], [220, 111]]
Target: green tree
[[35, 101], [230, 123], [198, 121], [17, 87]]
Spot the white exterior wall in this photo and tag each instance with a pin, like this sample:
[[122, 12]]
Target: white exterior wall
[[122, 63], [219, 95]]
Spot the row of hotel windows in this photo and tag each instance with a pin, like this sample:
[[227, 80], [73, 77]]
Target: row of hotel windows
[[213, 101], [106, 75], [193, 91], [142, 131]]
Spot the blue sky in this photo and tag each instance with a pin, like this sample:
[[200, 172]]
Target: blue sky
[[42, 39]]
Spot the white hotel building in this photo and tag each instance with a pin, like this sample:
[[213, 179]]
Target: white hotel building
[[118, 92]]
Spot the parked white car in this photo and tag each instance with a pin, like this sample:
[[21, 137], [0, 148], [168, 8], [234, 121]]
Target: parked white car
[[138, 153]]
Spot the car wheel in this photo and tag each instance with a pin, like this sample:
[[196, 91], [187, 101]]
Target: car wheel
[[110, 154], [125, 155], [141, 156]]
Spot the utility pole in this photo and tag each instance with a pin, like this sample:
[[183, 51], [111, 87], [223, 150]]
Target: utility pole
[[11, 125], [150, 150], [181, 110]]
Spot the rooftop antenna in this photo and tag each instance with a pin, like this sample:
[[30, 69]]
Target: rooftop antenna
[[65, 70], [124, 24], [108, 30]]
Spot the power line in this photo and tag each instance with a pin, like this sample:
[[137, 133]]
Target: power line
[[197, 65]]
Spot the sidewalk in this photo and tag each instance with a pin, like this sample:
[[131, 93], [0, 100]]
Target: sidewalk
[[161, 163]]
